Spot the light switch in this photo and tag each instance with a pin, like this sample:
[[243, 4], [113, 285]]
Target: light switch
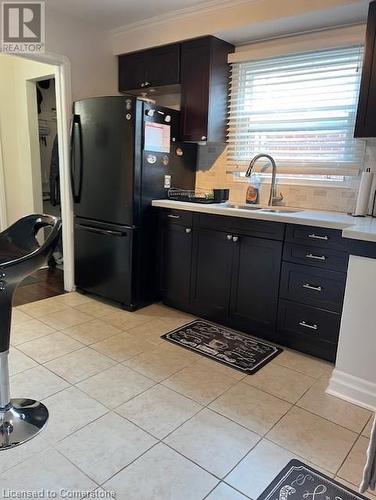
[[167, 181]]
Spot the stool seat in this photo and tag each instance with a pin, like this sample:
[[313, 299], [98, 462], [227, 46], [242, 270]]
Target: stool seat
[[18, 243], [21, 254], [9, 251]]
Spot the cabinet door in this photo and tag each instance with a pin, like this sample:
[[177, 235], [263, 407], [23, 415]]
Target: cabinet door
[[212, 260], [255, 283], [366, 117], [175, 264], [163, 66], [150, 68], [195, 68], [132, 71]]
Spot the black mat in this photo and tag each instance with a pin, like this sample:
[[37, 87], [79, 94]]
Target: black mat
[[298, 481], [242, 352]]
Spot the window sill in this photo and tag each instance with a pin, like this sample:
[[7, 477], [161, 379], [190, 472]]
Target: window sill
[[345, 183]]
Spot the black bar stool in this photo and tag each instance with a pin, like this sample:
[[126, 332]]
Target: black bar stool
[[20, 255]]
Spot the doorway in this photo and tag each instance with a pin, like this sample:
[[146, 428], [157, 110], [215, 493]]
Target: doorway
[[39, 162], [49, 157], [49, 281]]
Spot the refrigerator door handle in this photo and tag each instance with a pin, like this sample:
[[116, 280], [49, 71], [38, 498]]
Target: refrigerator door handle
[[76, 190], [107, 232]]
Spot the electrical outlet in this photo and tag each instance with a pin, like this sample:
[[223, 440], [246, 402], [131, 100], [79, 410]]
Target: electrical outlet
[[167, 181]]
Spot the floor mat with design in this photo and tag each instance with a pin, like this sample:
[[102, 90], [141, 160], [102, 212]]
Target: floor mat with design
[[298, 481], [238, 350]]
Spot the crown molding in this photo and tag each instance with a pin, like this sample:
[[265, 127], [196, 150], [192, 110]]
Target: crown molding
[[356, 25], [203, 8]]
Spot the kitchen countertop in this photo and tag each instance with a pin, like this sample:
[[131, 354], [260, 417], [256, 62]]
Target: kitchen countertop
[[358, 228]]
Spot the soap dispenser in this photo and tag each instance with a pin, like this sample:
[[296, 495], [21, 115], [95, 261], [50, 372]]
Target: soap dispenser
[[253, 189]]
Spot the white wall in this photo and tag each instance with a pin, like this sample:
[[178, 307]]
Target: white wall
[[8, 144], [3, 202], [19, 135], [354, 377], [93, 66], [319, 40], [93, 70]]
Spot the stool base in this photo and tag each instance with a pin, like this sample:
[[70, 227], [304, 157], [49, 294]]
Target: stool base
[[22, 420]]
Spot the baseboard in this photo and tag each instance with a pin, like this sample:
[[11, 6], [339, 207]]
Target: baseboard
[[355, 390]]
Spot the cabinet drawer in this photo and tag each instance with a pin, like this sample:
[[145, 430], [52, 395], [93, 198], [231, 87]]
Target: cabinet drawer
[[315, 287], [316, 236], [326, 258], [181, 217], [238, 225], [307, 321]]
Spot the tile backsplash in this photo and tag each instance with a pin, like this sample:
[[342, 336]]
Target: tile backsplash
[[334, 198]]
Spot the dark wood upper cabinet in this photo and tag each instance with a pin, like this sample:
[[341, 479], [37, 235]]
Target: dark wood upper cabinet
[[366, 117], [164, 65], [132, 71], [201, 69], [155, 67], [205, 80]]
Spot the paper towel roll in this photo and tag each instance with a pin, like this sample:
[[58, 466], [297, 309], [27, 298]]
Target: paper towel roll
[[372, 196], [364, 193]]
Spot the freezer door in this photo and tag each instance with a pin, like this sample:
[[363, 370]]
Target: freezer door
[[104, 261], [105, 158]]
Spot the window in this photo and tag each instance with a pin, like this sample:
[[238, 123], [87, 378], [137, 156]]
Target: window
[[299, 108]]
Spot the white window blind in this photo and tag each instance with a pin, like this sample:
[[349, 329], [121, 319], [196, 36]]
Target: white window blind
[[299, 108]]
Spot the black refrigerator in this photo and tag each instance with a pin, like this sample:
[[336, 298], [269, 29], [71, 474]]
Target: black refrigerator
[[124, 153]]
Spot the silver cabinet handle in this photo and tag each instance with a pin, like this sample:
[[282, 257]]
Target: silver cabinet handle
[[316, 257], [171, 216], [307, 325], [188, 230], [317, 237], [203, 137], [229, 237], [312, 287], [146, 84]]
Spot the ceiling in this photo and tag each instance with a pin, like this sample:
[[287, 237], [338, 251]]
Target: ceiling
[[117, 14], [111, 14]]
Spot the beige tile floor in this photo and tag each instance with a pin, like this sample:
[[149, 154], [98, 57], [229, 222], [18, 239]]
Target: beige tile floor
[[133, 414]]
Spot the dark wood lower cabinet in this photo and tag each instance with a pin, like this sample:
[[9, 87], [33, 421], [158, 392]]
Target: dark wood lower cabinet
[[223, 273], [255, 281], [211, 273], [235, 279], [312, 288], [175, 250], [308, 329]]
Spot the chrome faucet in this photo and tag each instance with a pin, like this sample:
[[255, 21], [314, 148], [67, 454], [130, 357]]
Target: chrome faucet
[[273, 189]]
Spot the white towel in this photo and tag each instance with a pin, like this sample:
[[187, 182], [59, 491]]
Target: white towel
[[369, 473]]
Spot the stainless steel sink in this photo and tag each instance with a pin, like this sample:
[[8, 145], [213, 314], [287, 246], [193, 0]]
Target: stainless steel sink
[[282, 210], [277, 210], [243, 207]]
